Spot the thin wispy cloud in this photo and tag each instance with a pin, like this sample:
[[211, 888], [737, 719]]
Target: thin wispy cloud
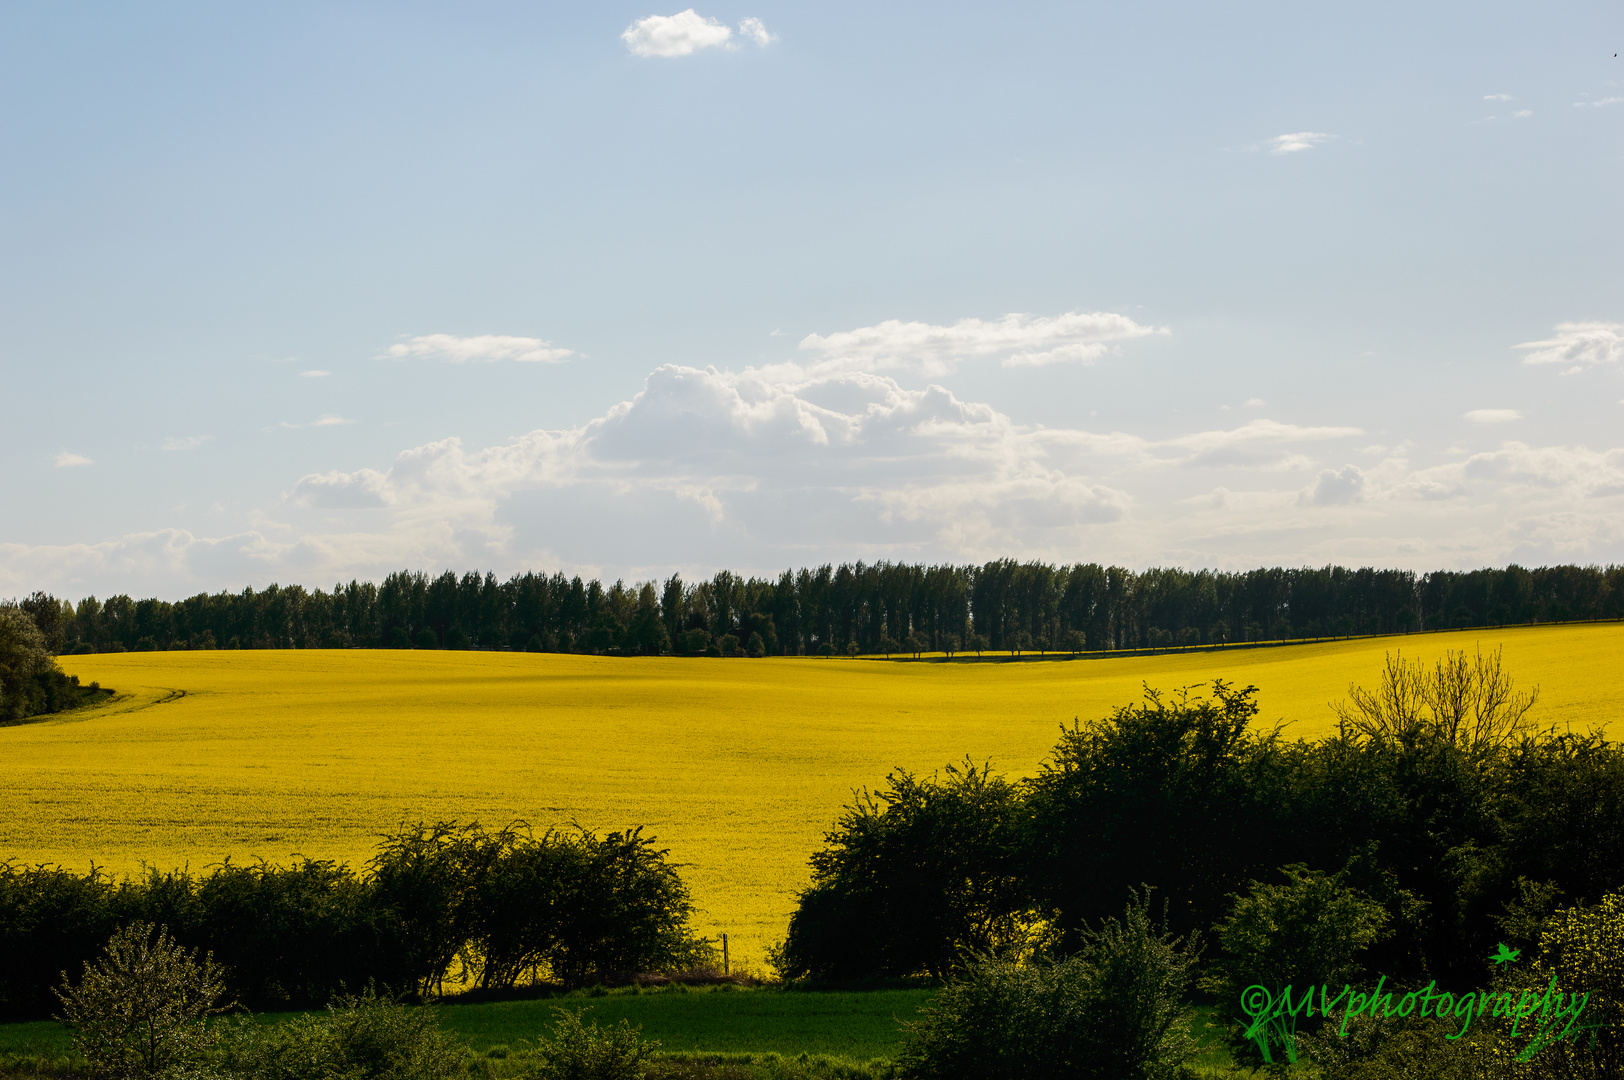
[[314, 374], [1493, 416], [688, 32], [1579, 344], [69, 460], [481, 348], [1599, 103], [1296, 142], [1497, 97], [1016, 340], [185, 442], [755, 30], [324, 420]]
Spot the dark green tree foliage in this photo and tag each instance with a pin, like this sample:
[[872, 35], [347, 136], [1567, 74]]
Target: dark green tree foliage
[[1113, 1010], [1009, 604], [1174, 792], [916, 879], [438, 901], [1460, 844], [291, 934], [1308, 930], [31, 684]]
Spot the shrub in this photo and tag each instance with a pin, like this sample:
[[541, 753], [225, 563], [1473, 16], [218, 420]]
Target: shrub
[[1176, 792], [1412, 1047], [139, 1009], [1583, 948], [916, 879], [1308, 931], [1111, 1012], [358, 1038], [582, 1051]]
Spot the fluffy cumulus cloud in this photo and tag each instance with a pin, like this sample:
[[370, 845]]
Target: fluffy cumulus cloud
[[788, 466], [1016, 340], [1578, 344], [688, 32], [482, 348], [1493, 416], [1336, 487], [69, 460]]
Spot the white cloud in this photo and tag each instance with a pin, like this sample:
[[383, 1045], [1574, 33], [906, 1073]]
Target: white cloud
[[1492, 416], [1579, 343], [754, 473], [1296, 141], [1522, 114], [1599, 103], [1497, 97], [185, 442], [1255, 444], [1018, 340], [753, 29], [685, 33], [853, 458], [324, 420], [333, 490], [1517, 469], [1253, 402], [1336, 487], [314, 374], [67, 460], [481, 348]]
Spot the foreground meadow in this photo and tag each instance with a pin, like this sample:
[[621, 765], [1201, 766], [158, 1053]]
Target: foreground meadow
[[737, 765]]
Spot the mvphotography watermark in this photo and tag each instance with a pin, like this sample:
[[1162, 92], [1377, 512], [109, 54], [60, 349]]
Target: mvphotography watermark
[[1550, 1017]]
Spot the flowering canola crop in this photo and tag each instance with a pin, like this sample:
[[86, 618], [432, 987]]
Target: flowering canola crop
[[738, 766]]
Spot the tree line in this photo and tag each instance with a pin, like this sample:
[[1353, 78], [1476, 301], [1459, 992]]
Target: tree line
[[1437, 801], [487, 908], [868, 608], [1435, 833]]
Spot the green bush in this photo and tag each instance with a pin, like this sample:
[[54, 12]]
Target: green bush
[[1110, 1012], [357, 1038], [916, 879], [1412, 1048], [582, 1051], [1306, 932], [140, 1008]]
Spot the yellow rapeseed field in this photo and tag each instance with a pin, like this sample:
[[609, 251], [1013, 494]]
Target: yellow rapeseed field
[[737, 765]]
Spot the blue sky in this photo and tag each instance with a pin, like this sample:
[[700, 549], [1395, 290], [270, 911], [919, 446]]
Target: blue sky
[[307, 292]]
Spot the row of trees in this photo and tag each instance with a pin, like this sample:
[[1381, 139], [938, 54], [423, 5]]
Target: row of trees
[[442, 902], [888, 607], [1460, 832]]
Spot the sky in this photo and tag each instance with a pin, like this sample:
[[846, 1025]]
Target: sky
[[311, 292]]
